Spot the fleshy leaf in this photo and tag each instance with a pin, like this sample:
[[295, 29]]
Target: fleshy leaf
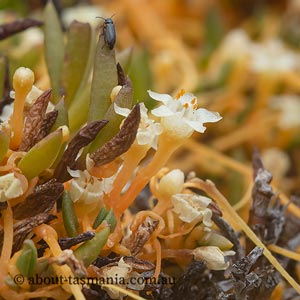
[[107, 216], [69, 215], [54, 47], [67, 243], [76, 58], [78, 111], [80, 140], [27, 261], [47, 124], [5, 86], [104, 80], [62, 117], [2, 77], [100, 217], [120, 143], [4, 144], [40, 201], [123, 99], [34, 121], [89, 251], [24, 227], [41, 155]]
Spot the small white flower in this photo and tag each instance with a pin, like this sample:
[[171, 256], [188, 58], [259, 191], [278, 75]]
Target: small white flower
[[271, 56], [180, 116], [213, 257], [290, 110], [191, 206], [87, 188], [283, 163], [148, 130], [10, 187], [235, 45], [122, 274]]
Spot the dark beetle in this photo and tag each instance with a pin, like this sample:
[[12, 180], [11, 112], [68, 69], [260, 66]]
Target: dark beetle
[[109, 32]]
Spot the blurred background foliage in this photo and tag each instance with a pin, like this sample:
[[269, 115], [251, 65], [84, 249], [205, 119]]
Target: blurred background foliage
[[173, 44]]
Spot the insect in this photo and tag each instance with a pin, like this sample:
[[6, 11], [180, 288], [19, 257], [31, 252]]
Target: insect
[[109, 32]]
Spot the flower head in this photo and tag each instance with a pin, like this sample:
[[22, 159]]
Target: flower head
[[190, 206], [289, 106], [148, 130], [181, 115], [122, 274], [10, 187], [87, 188], [213, 257], [235, 45], [273, 56]]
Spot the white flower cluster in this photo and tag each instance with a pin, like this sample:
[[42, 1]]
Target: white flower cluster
[[148, 130], [10, 187], [88, 189], [191, 206], [180, 116], [122, 273], [267, 56]]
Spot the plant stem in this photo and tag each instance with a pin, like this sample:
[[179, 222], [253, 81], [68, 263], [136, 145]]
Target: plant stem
[[166, 147]]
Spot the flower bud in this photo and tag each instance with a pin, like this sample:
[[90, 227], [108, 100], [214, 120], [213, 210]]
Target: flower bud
[[171, 183], [23, 79]]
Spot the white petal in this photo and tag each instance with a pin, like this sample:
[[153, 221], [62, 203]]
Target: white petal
[[89, 162], [197, 126], [162, 111], [213, 256], [144, 137], [205, 116], [73, 173], [12, 94], [157, 128], [187, 97], [143, 109], [164, 98], [121, 110]]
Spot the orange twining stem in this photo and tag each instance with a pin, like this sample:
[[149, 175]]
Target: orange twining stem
[[7, 243]]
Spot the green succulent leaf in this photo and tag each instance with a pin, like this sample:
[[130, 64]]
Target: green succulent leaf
[[4, 144], [62, 117], [215, 239], [76, 58], [27, 261], [104, 80], [69, 215], [42, 155], [123, 99], [111, 220], [100, 217], [90, 250], [54, 48], [2, 75], [78, 111]]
